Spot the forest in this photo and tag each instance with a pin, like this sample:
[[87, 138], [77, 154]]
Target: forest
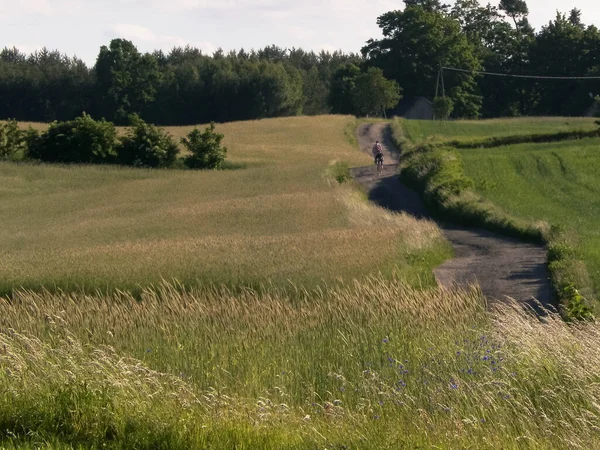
[[185, 86]]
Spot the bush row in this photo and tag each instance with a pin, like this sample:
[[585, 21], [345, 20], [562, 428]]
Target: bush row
[[437, 172], [88, 141]]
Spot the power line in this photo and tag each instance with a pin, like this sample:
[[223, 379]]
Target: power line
[[508, 75]]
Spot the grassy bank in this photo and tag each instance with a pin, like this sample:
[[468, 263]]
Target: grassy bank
[[372, 365], [558, 182], [532, 191], [279, 218], [478, 132]]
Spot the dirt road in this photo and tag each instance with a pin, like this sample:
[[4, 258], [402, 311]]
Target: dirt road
[[503, 267]]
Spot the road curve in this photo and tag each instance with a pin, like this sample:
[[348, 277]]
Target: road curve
[[503, 267]]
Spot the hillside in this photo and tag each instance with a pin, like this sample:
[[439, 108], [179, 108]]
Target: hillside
[[277, 216]]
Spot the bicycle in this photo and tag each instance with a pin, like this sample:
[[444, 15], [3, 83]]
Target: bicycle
[[379, 162]]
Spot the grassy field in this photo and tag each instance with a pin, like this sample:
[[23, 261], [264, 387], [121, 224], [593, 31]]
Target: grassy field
[[368, 364], [557, 182], [374, 365], [279, 217], [467, 131]]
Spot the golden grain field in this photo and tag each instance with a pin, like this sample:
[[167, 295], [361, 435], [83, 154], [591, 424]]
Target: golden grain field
[[277, 217]]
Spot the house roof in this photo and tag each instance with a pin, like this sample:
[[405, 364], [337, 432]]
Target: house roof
[[408, 102]]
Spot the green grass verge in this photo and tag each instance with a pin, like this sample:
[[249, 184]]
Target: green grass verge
[[438, 171], [498, 141], [476, 132]]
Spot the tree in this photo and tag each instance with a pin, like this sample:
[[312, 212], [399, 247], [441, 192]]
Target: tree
[[517, 10], [428, 5], [342, 89], [374, 94], [520, 44], [315, 93], [562, 48], [415, 44], [127, 78]]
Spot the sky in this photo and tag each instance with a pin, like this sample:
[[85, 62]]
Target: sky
[[80, 27]]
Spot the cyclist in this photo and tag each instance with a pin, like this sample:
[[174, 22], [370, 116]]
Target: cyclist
[[377, 152]]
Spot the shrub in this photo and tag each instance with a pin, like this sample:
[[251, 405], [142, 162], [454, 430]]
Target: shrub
[[83, 140], [340, 172], [146, 145], [443, 107], [12, 140], [205, 149]]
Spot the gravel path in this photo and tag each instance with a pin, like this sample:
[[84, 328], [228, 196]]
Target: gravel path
[[503, 267]]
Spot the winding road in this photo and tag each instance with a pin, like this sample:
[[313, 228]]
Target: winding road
[[503, 267]]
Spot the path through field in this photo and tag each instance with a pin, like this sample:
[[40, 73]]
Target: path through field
[[503, 267]]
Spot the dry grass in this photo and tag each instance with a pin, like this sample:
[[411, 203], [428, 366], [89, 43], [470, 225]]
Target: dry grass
[[278, 218], [370, 365]]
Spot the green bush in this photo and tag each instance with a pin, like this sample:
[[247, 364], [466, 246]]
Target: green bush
[[146, 145], [576, 305], [206, 151], [442, 108], [12, 140], [340, 172], [83, 140]]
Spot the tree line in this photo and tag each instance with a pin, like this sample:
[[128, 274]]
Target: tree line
[[186, 86]]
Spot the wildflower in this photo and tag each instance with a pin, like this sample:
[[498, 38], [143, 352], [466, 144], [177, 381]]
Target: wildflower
[[148, 350], [453, 385], [386, 340]]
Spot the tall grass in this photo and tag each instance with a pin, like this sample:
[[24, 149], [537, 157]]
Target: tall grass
[[279, 219], [367, 365]]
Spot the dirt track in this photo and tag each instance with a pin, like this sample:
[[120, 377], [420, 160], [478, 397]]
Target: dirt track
[[503, 267]]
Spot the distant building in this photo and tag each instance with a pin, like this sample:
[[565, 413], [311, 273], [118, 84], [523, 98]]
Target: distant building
[[418, 108]]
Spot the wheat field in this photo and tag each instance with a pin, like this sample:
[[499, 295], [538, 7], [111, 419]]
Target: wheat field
[[277, 216]]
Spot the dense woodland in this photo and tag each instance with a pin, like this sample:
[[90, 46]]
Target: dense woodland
[[186, 86]]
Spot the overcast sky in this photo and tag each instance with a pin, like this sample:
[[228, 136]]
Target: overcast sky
[[80, 27]]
